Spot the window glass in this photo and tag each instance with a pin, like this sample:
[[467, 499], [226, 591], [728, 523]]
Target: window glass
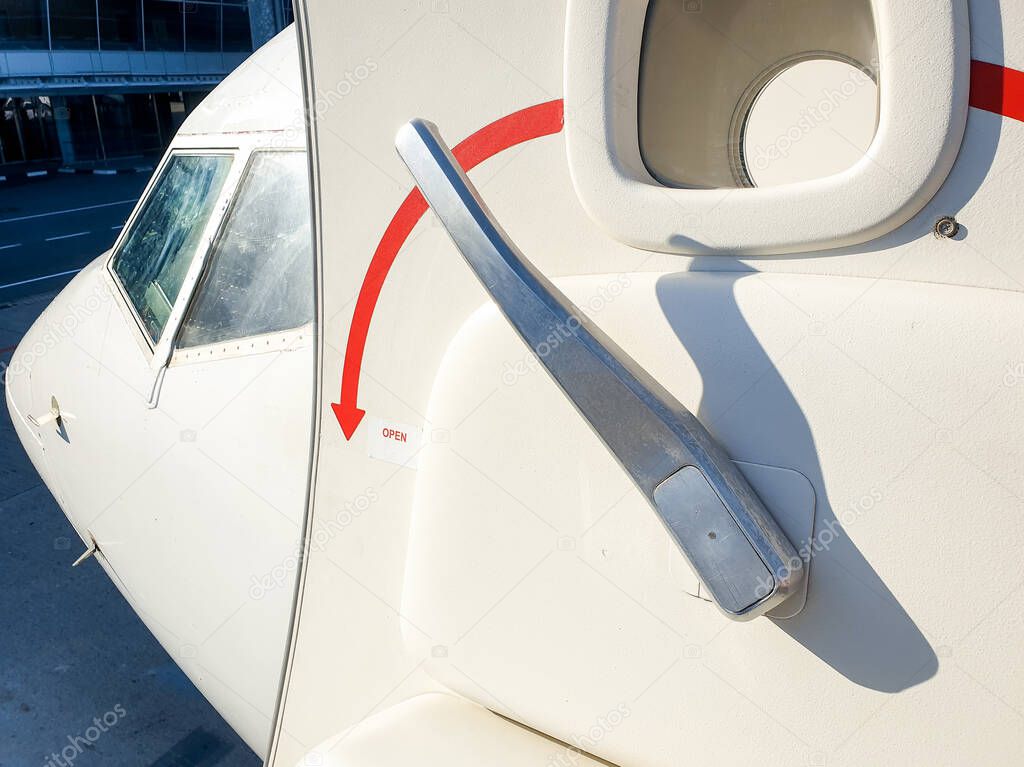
[[120, 23], [237, 34], [165, 25], [73, 24], [202, 27], [23, 24], [843, 96], [704, 68], [152, 262], [260, 276]]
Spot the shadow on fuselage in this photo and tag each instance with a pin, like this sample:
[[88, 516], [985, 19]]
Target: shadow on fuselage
[[852, 621]]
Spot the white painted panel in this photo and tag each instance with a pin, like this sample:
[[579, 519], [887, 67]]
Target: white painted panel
[[853, 377]]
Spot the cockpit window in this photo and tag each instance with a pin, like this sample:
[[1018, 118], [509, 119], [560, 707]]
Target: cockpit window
[[152, 261], [260, 275]]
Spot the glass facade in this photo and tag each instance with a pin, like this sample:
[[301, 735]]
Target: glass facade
[[164, 25], [73, 24], [203, 27], [97, 128], [120, 25], [145, 25], [27, 130], [48, 116], [236, 27], [23, 24]]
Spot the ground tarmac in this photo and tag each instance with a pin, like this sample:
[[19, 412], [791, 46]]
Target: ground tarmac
[[72, 652]]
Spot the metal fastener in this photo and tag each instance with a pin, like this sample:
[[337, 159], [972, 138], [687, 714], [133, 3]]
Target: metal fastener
[[946, 227]]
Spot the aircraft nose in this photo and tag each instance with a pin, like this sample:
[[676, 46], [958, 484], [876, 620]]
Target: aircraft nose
[[17, 380], [17, 376], [44, 370], [17, 385]]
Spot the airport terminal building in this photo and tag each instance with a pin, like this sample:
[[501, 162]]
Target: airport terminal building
[[91, 82]]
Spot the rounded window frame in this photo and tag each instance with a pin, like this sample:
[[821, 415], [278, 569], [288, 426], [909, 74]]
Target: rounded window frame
[[745, 106], [924, 87]]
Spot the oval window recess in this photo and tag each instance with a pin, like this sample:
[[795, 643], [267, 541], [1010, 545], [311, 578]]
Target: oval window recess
[[653, 93], [815, 118]]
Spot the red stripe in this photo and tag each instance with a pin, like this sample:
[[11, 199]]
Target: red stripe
[[997, 89], [524, 125]]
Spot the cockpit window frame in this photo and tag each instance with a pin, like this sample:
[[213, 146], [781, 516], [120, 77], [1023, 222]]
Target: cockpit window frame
[[159, 350], [162, 353], [242, 344]]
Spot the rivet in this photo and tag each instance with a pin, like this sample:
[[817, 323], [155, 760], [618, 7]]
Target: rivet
[[946, 227]]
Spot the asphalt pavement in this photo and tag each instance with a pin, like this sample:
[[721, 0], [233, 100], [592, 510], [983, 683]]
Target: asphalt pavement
[[72, 652], [50, 227]]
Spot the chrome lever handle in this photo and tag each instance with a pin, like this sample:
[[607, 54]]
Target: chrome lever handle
[[735, 546]]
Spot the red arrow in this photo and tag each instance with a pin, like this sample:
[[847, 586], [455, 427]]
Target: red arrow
[[516, 128], [997, 89]]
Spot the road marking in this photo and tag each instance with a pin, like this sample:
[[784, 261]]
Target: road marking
[[68, 210], [66, 236], [40, 279], [117, 226], [8, 247]]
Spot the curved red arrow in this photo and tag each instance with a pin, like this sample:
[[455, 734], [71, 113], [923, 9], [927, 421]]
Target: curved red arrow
[[997, 89], [994, 88], [516, 128]]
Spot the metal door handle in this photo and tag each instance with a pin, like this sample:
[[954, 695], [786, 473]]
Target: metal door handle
[[735, 546]]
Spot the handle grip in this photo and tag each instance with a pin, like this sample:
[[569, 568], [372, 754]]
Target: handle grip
[[733, 543]]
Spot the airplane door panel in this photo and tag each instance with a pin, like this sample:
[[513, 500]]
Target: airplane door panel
[[208, 538], [852, 360]]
